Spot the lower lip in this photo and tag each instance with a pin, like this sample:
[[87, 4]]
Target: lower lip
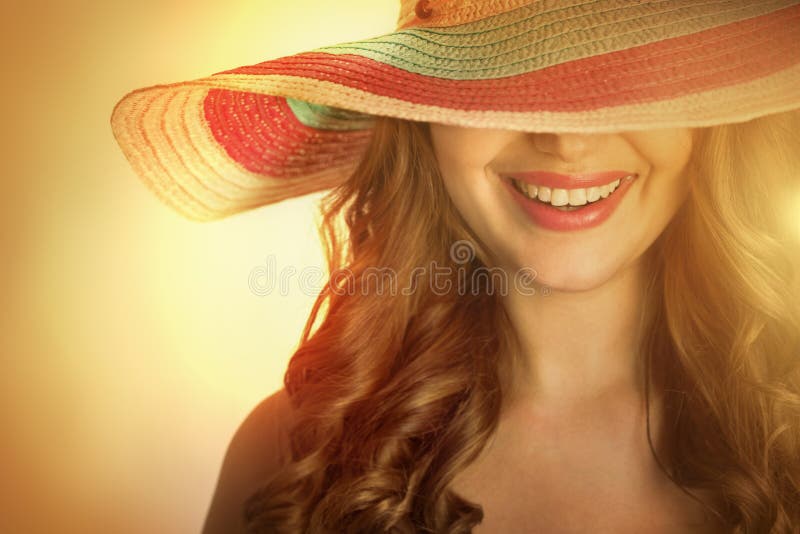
[[587, 216]]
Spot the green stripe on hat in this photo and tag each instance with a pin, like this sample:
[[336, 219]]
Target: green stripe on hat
[[525, 40], [327, 117]]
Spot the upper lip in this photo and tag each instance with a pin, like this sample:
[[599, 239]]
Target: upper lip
[[567, 181]]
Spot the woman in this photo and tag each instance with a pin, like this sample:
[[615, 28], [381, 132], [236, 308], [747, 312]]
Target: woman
[[583, 209]]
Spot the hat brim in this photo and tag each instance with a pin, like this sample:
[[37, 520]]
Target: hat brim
[[242, 138]]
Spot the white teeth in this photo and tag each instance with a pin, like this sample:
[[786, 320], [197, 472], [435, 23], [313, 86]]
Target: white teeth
[[560, 197], [572, 197], [577, 197], [544, 193]]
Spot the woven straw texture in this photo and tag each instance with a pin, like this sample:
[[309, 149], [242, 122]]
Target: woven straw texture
[[258, 134]]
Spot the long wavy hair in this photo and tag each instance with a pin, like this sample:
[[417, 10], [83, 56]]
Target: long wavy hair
[[395, 391]]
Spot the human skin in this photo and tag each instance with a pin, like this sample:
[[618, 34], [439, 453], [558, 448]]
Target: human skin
[[574, 420], [580, 340]]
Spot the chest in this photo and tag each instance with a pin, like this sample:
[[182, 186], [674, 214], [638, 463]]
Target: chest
[[515, 502], [563, 482]]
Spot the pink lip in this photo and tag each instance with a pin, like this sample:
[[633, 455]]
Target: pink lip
[[566, 181], [587, 216]]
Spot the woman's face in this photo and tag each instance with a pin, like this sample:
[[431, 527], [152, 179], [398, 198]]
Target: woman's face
[[570, 248]]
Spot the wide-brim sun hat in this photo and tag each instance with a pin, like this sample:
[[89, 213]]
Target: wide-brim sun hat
[[258, 134]]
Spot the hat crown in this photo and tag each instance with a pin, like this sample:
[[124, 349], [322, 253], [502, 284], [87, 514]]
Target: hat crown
[[258, 134], [417, 13]]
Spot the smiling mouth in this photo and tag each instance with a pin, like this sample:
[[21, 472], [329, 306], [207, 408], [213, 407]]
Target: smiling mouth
[[567, 199]]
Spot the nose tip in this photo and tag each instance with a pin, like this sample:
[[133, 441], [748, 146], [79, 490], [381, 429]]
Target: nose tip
[[566, 146]]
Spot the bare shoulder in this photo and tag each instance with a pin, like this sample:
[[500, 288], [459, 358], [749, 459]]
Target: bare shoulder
[[258, 448]]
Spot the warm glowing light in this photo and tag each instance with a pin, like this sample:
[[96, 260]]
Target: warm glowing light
[[145, 343], [793, 214]]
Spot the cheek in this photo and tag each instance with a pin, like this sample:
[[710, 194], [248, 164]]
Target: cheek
[[667, 151], [674, 163], [465, 151], [463, 156], [664, 156], [667, 154]]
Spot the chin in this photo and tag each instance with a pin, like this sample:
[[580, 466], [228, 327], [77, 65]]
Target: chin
[[573, 284], [582, 274]]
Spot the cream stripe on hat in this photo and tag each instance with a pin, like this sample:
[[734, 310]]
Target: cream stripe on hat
[[258, 134], [527, 39]]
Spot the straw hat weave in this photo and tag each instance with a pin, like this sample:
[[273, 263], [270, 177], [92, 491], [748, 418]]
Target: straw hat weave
[[258, 134]]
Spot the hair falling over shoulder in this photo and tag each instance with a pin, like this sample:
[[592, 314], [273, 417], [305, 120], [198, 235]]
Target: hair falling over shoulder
[[729, 346], [395, 392]]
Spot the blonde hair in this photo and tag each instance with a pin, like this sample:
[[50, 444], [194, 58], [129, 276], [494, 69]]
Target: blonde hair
[[394, 395], [730, 275]]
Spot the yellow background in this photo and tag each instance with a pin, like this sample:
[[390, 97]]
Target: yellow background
[[131, 345]]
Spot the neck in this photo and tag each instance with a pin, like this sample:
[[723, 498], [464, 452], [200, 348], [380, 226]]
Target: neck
[[579, 346]]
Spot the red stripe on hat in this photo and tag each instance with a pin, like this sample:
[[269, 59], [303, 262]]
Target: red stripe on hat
[[286, 148], [731, 54]]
